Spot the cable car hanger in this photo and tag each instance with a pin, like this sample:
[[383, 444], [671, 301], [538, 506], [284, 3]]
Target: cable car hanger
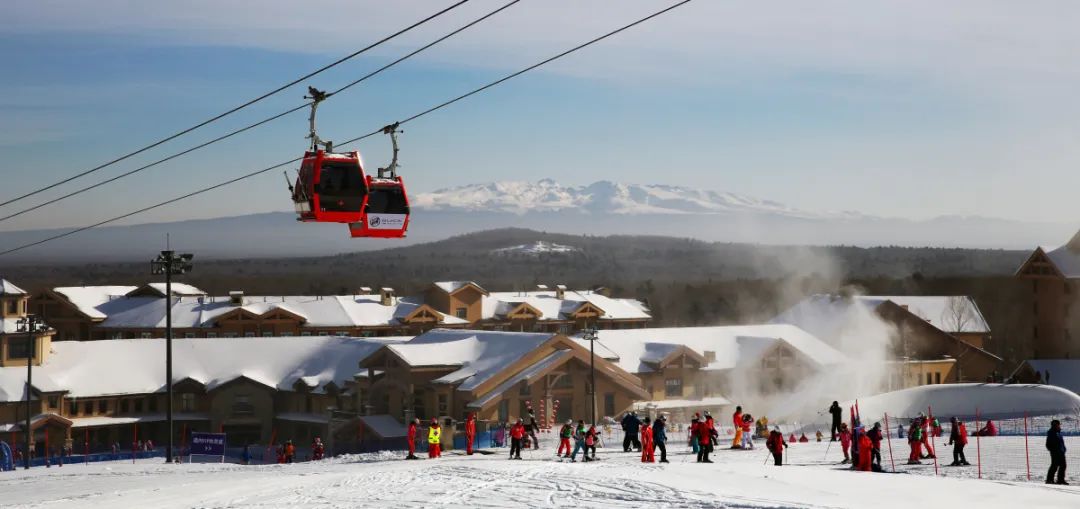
[[317, 96]]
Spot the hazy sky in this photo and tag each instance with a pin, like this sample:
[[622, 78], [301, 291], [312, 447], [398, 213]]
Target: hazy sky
[[913, 108]]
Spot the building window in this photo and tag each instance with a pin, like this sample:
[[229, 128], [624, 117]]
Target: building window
[[151, 403], [565, 329], [54, 402], [526, 389], [88, 408], [504, 410], [609, 404], [189, 335], [444, 404], [242, 405], [461, 313], [124, 406], [144, 335], [268, 334], [138, 404], [564, 382], [73, 408], [673, 387], [249, 334], [305, 334], [103, 406], [211, 334], [937, 378], [284, 334], [11, 307], [929, 380], [341, 334], [17, 349], [324, 333], [230, 334], [187, 402]]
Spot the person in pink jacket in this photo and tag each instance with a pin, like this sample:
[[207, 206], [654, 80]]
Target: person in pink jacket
[[845, 442]]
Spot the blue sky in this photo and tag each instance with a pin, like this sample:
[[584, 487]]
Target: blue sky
[[910, 109]]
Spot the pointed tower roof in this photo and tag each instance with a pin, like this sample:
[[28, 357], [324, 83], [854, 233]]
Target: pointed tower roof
[[7, 288]]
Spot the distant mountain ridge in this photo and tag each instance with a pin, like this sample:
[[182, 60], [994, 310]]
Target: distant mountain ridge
[[603, 197]]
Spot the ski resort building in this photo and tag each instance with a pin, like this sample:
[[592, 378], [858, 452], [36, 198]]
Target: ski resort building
[[928, 339], [132, 312], [14, 346], [499, 376], [1054, 276], [690, 369]]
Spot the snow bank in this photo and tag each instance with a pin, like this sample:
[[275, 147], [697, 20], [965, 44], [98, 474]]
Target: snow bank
[[992, 401]]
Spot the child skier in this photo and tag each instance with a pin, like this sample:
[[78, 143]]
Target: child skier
[[434, 439], [866, 447], [958, 439], [411, 437], [517, 435], [317, 449], [565, 432], [845, 442], [470, 433], [776, 445], [747, 437], [646, 442], [915, 441], [875, 436], [579, 442], [694, 440], [591, 438]]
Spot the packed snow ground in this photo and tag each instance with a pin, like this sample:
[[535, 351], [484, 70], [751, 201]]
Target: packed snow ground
[[738, 479]]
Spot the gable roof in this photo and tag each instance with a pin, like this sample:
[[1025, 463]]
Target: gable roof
[[635, 349], [8, 288], [498, 304], [478, 355], [129, 366], [1064, 373], [828, 316], [453, 286]]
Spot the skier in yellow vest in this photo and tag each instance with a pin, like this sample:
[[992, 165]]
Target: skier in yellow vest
[[433, 437]]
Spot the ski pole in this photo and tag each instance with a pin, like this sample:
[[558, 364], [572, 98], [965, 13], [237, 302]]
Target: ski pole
[[763, 463], [827, 447]]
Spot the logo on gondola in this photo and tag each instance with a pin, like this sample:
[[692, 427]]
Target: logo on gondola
[[386, 221], [374, 221]]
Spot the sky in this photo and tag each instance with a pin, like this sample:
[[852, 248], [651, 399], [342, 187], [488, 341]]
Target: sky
[[911, 109]]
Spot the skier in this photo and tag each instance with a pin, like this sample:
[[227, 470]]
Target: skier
[[470, 432], [694, 440], [591, 438], [646, 442], [660, 437], [776, 445], [747, 437], [533, 429], [958, 439], [736, 420], [411, 437], [705, 437], [845, 441], [564, 439], [836, 412], [433, 438], [517, 434], [924, 425], [856, 442], [915, 441], [1056, 445], [989, 430], [317, 449], [875, 435], [290, 452], [866, 447], [630, 425], [579, 441], [818, 435]]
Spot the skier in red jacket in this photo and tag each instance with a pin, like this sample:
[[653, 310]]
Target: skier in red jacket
[[776, 445], [470, 433], [646, 442], [866, 447], [736, 420], [517, 434], [412, 439], [705, 433]]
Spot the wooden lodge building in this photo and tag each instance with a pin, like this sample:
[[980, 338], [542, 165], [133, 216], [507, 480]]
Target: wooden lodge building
[[1054, 277], [130, 312]]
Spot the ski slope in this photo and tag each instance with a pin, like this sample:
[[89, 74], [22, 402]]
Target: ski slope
[[738, 479]]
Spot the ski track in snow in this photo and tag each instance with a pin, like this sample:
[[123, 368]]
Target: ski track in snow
[[737, 480]]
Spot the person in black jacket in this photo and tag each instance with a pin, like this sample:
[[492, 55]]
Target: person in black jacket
[[836, 412], [630, 425], [660, 437], [1055, 443]]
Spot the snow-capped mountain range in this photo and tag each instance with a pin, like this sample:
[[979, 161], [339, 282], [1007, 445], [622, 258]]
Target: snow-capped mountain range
[[603, 197]]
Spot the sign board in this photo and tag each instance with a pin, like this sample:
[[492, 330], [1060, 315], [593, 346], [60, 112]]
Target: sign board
[[207, 444]]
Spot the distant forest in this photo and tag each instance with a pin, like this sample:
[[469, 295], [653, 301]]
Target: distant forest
[[684, 281]]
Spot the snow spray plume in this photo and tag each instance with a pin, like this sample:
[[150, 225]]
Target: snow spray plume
[[837, 317]]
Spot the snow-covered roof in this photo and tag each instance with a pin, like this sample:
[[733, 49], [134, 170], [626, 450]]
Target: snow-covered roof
[[635, 349], [831, 316], [135, 366], [101, 420], [116, 310], [670, 404], [8, 288], [303, 417], [497, 304], [992, 401], [478, 355], [384, 425], [453, 286], [1063, 372], [526, 375], [178, 289]]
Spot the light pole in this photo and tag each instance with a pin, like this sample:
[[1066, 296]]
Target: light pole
[[30, 324], [169, 263], [590, 336]]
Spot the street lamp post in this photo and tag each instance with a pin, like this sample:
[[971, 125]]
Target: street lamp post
[[169, 263], [590, 336], [31, 325]]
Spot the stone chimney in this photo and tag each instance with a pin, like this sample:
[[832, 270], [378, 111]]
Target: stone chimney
[[386, 296], [560, 292], [236, 297], [365, 290]]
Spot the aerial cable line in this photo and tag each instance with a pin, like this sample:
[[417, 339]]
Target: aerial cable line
[[261, 122], [238, 108], [354, 140]]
